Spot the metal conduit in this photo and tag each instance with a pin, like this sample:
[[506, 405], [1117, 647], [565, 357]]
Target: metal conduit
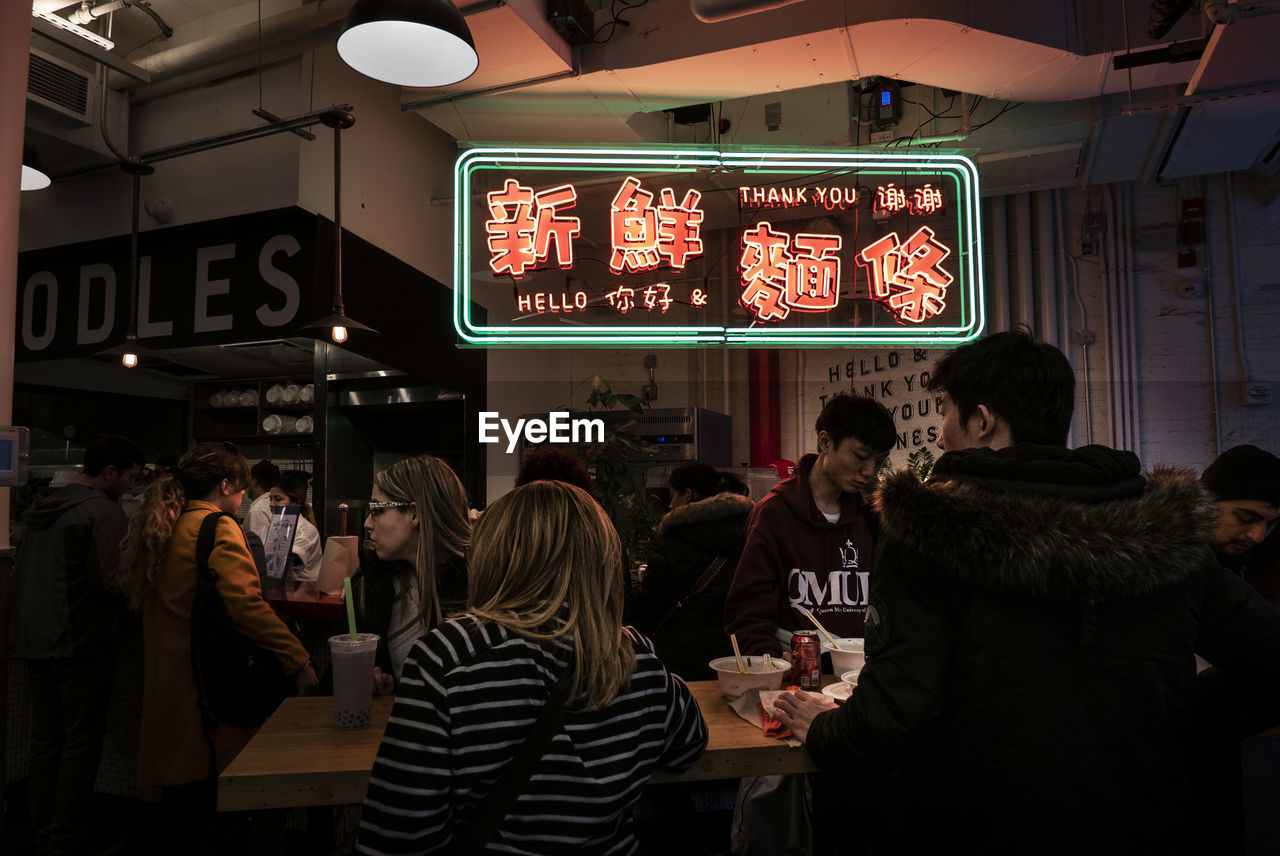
[[1083, 326], [1234, 258], [1046, 303], [1024, 286], [999, 294], [1131, 331], [1114, 406], [1213, 327], [1128, 390]]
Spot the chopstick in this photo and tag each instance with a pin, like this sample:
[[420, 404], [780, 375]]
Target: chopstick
[[809, 615], [733, 637]]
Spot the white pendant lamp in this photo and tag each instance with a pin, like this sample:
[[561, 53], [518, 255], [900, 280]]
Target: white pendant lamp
[[408, 42], [34, 174]]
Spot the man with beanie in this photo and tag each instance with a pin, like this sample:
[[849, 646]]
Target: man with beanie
[[1246, 482]]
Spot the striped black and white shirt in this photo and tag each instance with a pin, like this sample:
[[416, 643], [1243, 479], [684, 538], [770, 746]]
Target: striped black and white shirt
[[467, 701]]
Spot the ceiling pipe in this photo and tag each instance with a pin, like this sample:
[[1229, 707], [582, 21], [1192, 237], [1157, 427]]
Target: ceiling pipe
[[492, 90], [1222, 12], [711, 11], [89, 14], [287, 27]]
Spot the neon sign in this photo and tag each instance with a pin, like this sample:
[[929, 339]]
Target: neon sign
[[523, 225], [923, 201], [829, 198], [781, 272], [653, 246], [912, 266]]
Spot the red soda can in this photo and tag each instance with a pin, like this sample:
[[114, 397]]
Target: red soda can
[[806, 660]]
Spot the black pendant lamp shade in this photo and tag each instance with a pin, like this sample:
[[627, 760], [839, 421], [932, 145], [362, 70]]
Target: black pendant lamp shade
[[34, 174], [408, 42]]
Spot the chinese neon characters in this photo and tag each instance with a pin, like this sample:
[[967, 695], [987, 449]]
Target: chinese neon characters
[[644, 236], [890, 200], [913, 267], [781, 273], [523, 225]]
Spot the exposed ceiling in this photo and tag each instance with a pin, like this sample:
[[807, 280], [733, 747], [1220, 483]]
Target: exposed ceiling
[[1208, 103], [533, 86]]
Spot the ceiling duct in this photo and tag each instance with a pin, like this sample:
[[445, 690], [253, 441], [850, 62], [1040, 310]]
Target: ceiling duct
[[61, 89]]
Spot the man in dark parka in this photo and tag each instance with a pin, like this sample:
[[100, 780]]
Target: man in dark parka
[[1031, 631]]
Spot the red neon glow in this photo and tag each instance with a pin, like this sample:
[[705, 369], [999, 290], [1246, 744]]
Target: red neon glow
[[543, 302], [781, 273], [644, 235], [813, 277], [622, 299], [913, 268], [697, 298], [926, 200], [889, 200], [658, 296], [679, 227], [831, 198], [523, 226], [764, 272]]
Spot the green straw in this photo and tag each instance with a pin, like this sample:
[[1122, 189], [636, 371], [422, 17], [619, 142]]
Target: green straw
[[351, 608]]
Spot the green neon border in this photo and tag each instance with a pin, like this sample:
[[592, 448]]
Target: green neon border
[[690, 159]]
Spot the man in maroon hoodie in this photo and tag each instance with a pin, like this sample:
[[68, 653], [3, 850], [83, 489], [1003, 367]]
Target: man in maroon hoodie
[[811, 541]]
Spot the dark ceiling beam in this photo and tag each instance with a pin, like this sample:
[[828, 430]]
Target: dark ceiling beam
[[90, 50], [1176, 52]]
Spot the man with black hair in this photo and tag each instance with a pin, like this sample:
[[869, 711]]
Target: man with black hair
[[65, 624], [263, 476], [810, 541], [1031, 629]]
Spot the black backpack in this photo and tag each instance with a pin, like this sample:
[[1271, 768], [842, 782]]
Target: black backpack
[[237, 681]]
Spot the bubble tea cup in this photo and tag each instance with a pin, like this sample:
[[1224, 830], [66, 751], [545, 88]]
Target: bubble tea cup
[[352, 678]]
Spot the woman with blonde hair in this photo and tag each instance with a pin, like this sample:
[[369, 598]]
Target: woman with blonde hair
[[419, 528], [537, 691], [180, 752]]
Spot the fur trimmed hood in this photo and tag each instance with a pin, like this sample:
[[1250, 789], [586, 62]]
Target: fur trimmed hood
[[713, 509], [1051, 524]]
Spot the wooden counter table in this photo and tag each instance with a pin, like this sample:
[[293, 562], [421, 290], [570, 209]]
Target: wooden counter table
[[299, 759]]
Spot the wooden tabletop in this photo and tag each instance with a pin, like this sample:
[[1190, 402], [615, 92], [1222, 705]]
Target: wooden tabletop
[[735, 747], [298, 758]]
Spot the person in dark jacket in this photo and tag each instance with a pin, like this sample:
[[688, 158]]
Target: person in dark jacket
[[1031, 631], [65, 623], [680, 600], [810, 541]]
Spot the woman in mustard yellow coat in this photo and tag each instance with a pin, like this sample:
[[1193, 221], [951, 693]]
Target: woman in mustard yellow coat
[[158, 576]]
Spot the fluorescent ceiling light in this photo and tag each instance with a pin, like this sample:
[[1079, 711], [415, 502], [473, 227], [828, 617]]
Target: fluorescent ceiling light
[[408, 42], [64, 24]]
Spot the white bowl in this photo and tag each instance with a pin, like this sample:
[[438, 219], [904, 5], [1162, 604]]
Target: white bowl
[[849, 657], [839, 690], [850, 678], [734, 683]]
